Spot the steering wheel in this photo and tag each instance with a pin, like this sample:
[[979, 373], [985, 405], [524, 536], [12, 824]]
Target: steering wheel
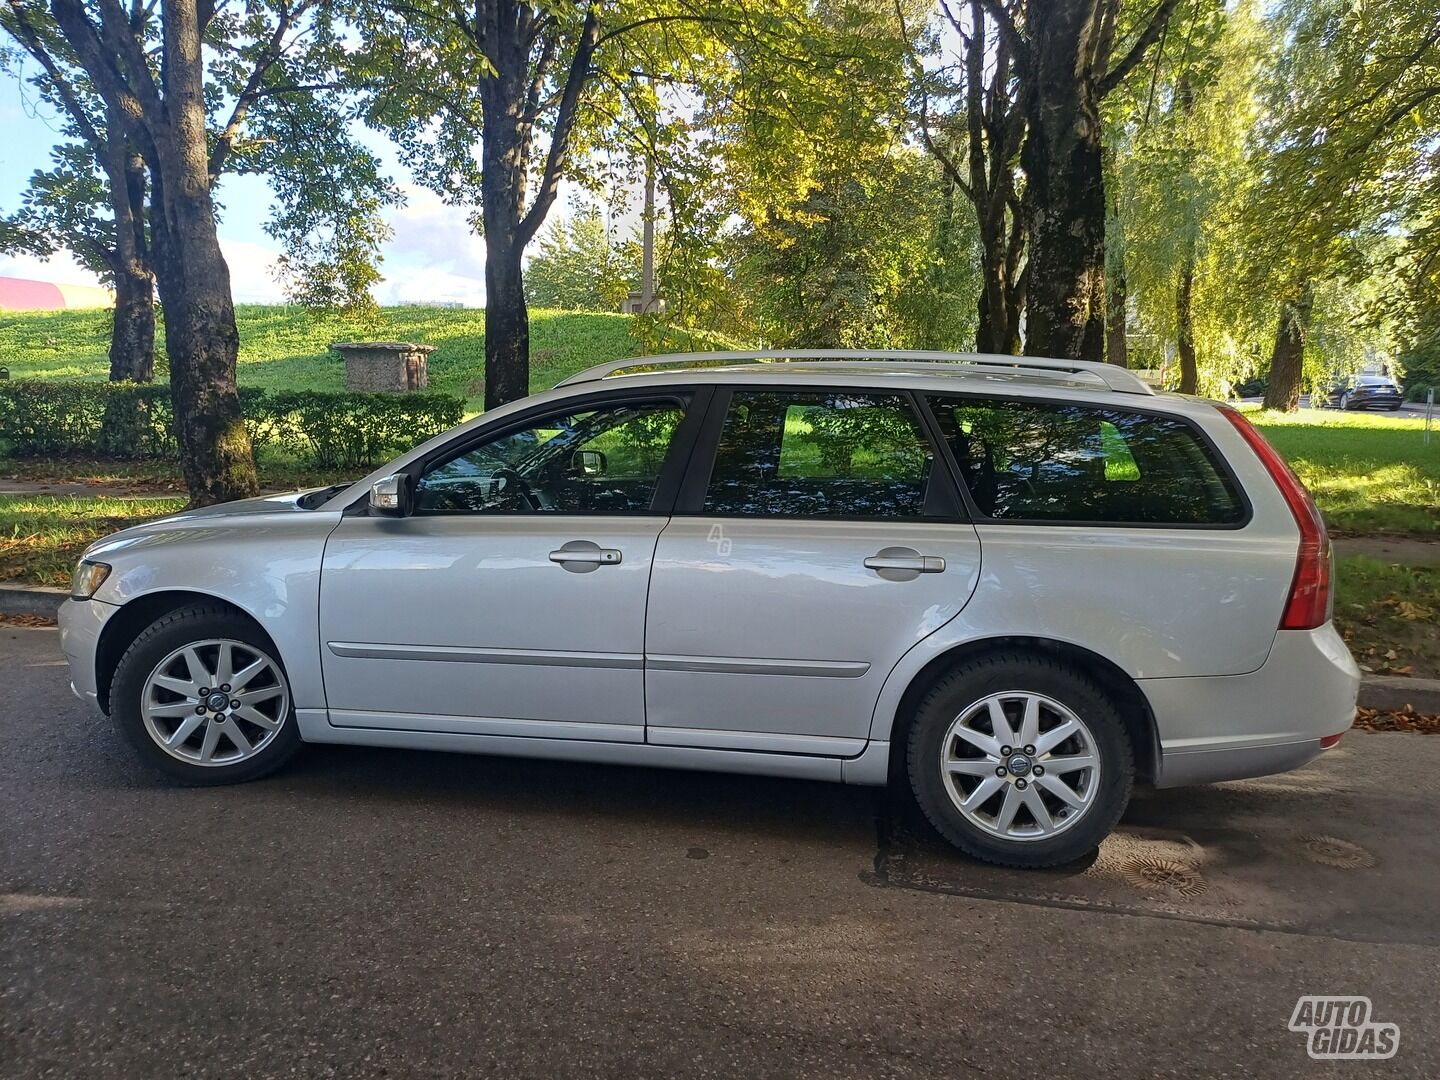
[[522, 486]]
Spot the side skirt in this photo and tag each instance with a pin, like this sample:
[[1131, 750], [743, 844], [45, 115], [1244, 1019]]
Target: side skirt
[[869, 768]]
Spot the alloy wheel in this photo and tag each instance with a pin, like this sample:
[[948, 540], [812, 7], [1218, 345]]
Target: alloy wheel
[[216, 702], [1020, 766]]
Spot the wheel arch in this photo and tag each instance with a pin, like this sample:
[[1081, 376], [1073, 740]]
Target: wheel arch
[[122, 628], [1118, 686]]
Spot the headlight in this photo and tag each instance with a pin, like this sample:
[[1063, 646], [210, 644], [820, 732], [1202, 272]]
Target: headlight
[[88, 577]]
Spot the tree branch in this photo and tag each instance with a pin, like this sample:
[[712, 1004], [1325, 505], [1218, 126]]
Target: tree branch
[[1010, 30], [1159, 19], [575, 82], [30, 38]]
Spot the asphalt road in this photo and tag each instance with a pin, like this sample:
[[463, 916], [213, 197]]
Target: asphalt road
[[371, 913]]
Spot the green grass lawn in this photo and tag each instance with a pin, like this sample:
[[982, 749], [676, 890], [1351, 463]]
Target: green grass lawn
[[1369, 472], [1390, 615], [287, 348], [41, 536]]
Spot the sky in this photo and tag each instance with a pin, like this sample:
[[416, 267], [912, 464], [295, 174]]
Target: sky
[[433, 256]]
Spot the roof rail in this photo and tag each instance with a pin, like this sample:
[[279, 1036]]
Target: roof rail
[[1112, 377]]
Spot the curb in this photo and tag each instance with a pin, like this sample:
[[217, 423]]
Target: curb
[[1393, 693], [35, 600]]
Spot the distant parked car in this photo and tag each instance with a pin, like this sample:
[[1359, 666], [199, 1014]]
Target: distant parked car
[[1016, 585], [1365, 392]]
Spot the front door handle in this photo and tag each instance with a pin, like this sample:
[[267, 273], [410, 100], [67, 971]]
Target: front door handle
[[583, 556], [903, 564]]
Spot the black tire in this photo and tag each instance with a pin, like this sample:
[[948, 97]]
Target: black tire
[[174, 631], [995, 673]]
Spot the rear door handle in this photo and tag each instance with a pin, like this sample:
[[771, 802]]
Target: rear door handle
[[583, 556], [904, 564]]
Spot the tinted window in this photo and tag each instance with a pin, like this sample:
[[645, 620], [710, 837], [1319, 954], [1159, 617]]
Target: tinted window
[[1036, 461], [832, 454], [600, 461]]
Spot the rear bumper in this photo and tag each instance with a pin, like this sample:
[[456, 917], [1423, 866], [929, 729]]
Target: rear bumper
[[80, 624], [1271, 720]]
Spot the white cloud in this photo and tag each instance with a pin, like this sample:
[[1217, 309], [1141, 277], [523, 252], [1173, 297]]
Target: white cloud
[[59, 269], [434, 255], [431, 286], [252, 271]]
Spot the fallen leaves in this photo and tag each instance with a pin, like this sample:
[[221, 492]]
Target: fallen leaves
[[1406, 719], [25, 620]]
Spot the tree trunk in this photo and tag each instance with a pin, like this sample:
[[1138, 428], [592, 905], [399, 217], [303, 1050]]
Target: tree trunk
[[1185, 327], [1065, 184], [194, 281], [507, 324], [1117, 342], [168, 122], [504, 153], [1287, 360], [1185, 289], [132, 339]]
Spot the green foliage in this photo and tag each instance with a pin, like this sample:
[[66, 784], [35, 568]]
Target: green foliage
[[577, 266], [1182, 174], [40, 417], [351, 430], [276, 107], [876, 257]]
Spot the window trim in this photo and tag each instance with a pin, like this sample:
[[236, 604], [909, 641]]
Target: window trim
[[1207, 444], [942, 488], [694, 400]]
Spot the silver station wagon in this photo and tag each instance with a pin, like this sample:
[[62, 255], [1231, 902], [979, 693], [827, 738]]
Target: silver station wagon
[[1016, 586]]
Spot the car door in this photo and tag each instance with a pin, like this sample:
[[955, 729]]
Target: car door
[[815, 541], [512, 601]]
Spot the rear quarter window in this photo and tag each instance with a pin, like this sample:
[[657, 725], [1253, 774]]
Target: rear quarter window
[[1041, 461]]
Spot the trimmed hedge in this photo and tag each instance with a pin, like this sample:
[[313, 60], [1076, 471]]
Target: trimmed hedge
[[46, 417]]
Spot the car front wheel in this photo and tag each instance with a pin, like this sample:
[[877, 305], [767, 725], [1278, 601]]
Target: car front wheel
[[202, 697], [1020, 760]]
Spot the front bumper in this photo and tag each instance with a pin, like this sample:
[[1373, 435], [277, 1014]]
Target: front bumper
[[1229, 727], [80, 624]]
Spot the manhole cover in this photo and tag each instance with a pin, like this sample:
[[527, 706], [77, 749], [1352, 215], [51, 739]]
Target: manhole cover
[[1332, 851], [1153, 874]]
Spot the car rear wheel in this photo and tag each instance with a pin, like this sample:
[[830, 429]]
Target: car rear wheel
[[202, 697], [1020, 760]]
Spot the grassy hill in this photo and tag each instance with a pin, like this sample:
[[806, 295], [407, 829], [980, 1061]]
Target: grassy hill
[[287, 348]]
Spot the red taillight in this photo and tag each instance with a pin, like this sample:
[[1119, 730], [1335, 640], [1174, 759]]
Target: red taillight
[[1331, 740], [1308, 604]]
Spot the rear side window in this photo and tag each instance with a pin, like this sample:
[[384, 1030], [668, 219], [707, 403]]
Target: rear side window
[[1036, 461], [820, 454]]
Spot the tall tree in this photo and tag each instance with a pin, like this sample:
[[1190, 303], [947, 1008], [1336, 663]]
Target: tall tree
[[537, 87], [92, 203], [199, 88], [1182, 174], [977, 142], [1355, 120], [1066, 49]]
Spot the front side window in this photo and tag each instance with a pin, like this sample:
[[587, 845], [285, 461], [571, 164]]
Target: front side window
[[820, 454], [605, 460], [1038, 461]]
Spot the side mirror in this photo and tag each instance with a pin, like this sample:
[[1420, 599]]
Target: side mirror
[[393, 496], [590, 462]]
